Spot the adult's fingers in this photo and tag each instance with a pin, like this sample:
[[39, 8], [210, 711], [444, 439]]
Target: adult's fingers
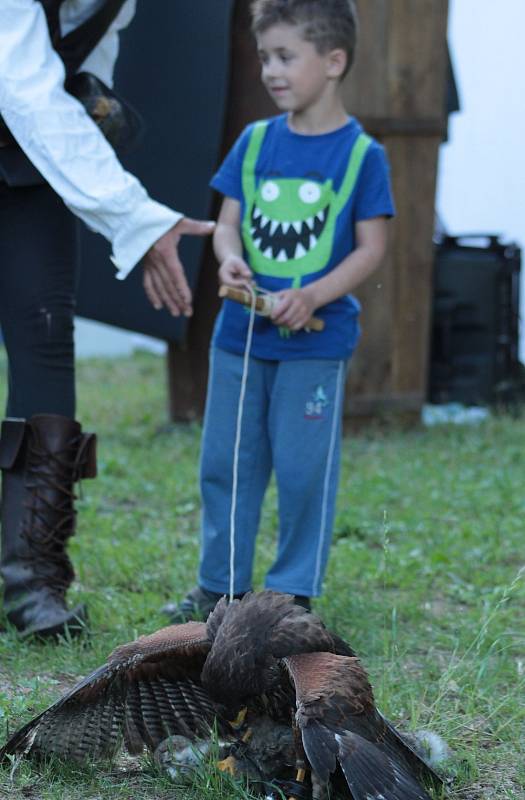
[[160, 292], [167, 274], [173, 279], [151, 291], [164, 281], [165, 284]]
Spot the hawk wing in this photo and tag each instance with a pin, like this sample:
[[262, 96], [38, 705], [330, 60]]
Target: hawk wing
[[340, 725], [147, 690]]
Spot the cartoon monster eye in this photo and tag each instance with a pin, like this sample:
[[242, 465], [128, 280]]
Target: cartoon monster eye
[[270, 191], [309, 192]]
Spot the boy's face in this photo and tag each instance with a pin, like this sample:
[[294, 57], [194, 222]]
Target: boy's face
[[295, 74]]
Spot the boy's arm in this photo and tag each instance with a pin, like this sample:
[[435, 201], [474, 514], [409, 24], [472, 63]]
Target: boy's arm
[[227, 245], [298, 305]]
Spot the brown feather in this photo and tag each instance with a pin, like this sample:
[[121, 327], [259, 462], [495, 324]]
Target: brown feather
[[329, 685], [178, 639]]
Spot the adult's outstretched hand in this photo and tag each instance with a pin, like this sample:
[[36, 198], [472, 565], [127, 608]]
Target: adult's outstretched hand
[[164, 280]]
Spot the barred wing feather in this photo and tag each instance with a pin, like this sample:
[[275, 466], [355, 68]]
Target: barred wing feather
[[147, 690]]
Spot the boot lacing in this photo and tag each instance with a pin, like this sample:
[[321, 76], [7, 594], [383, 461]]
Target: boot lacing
[[48, 525]]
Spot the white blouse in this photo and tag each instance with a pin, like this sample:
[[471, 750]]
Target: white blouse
[[61, 140]]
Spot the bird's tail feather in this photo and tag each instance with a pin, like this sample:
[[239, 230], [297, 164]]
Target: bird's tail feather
[[371, 774], [370, 771], [396, 743], [321, 749]]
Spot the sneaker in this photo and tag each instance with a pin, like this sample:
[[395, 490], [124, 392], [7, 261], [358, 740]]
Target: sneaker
[[197, 605]]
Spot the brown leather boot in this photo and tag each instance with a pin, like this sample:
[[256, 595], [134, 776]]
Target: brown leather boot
[[41, 458]]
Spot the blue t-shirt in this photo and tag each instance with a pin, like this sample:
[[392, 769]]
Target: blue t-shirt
[[301, 197]]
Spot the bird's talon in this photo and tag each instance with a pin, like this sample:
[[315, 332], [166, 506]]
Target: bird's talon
[[238, 722], [299, 778], [247, 735], [228, 765]]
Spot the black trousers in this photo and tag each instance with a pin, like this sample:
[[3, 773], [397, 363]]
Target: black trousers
[[39, 254]]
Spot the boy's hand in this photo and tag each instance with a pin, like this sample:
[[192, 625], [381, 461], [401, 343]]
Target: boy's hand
[[234, 271], [164, 280], [295, 308]]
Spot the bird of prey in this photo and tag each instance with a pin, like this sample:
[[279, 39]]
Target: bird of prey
[[307, 720]]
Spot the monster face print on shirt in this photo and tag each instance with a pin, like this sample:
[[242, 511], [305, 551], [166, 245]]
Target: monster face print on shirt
[[289, 223]]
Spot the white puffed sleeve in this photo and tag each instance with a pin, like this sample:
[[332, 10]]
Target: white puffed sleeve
[[65, 145]]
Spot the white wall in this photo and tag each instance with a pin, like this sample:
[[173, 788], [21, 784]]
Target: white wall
[[97, 339], [481, 183]]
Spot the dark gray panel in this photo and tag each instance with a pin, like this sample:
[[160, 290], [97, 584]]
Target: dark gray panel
[[174, 68]]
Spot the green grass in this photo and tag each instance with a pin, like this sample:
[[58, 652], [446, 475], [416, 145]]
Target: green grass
[[424, 580]]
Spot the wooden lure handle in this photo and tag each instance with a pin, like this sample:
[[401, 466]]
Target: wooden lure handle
[[262, 304]]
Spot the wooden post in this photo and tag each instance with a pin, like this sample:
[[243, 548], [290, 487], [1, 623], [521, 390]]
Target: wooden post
[[397, 89]]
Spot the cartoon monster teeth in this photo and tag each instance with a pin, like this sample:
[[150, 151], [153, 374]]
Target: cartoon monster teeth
[[300, 251]]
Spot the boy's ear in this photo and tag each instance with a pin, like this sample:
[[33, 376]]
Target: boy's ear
[[336, 63]]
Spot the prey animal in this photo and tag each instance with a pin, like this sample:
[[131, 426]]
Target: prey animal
[[289, 700]]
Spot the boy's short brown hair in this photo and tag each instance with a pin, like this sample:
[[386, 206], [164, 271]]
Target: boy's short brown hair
[[328, 24]]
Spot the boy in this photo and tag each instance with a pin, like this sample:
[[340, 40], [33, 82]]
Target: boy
[[306, 202]]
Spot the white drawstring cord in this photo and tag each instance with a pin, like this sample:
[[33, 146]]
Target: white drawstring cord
[[236, 450]]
